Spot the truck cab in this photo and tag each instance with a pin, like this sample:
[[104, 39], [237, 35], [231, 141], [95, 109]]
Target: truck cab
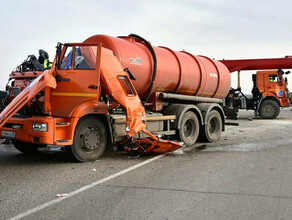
[[271, 84], [269, 93]]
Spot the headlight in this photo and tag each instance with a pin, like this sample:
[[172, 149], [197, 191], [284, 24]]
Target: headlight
[[39, 126]]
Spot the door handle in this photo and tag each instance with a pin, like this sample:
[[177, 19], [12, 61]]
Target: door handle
[[92, 86]]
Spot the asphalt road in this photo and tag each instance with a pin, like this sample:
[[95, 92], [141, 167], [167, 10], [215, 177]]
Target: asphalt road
[[246, 175]]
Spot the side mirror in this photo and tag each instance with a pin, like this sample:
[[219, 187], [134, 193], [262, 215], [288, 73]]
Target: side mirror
[[58, 52], [287, 72]]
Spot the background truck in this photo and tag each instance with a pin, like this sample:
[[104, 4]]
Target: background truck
[[119, 92], [270, 88]]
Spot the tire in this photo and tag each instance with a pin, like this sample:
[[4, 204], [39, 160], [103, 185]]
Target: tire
[[211, 131], [175, 109], [189, 128], [269, 109], [90, 139], [27, 148]]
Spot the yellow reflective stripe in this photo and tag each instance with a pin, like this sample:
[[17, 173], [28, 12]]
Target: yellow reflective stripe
[[74, 94]]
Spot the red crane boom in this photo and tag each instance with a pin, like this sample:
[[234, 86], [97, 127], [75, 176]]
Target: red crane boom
[[258, 64]]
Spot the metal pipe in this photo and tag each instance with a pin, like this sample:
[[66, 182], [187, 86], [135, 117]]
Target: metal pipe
[[170, 96], [238, 79]]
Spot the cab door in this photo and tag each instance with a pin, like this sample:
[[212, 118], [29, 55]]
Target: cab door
[[77, 78], [275, 83]]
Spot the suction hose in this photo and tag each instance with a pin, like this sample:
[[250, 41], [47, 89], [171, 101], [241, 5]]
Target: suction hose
[[154, 64]]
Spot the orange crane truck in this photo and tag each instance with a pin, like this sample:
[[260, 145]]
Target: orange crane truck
[[270, 87], [114, 91]]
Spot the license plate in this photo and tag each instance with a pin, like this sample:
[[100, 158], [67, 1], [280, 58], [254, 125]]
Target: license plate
[[8, 134]]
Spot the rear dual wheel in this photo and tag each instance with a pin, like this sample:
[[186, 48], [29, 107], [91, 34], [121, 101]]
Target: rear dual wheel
[[190, 128], [212, 129]]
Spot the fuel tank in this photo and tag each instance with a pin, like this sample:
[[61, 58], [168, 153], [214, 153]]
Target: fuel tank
[[177, 72]]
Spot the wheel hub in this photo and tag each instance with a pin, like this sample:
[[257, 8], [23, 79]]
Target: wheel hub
[[269, 110], [188, 127], [212, 126], [90, 138]]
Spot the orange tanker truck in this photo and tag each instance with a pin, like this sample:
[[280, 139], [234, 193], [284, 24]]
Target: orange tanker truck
[[115, 91]]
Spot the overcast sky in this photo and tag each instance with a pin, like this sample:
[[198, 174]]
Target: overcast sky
[[229, 29]]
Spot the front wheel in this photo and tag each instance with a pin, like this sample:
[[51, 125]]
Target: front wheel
[[269, 109], [211, 131], [26, 148], [90, 139]]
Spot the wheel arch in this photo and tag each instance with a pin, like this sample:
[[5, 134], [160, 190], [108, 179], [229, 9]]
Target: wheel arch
[[180, 109], [105, 119], [205, 108], [96, 109], [89, 107], [268, 98]]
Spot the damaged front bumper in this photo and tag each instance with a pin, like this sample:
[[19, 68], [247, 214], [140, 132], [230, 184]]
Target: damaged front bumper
[[40, 130]]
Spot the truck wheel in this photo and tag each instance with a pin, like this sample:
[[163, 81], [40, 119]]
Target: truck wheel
[[89, 139], [211, 131], [26, 148], [269, 109], [189, 128]]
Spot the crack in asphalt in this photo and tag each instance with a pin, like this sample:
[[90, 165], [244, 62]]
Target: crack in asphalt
[[200, 192]]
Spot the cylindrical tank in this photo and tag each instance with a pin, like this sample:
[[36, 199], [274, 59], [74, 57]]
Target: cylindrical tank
[[177, 72]]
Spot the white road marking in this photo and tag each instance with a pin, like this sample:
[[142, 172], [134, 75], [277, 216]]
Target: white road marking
[[84, 188]]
